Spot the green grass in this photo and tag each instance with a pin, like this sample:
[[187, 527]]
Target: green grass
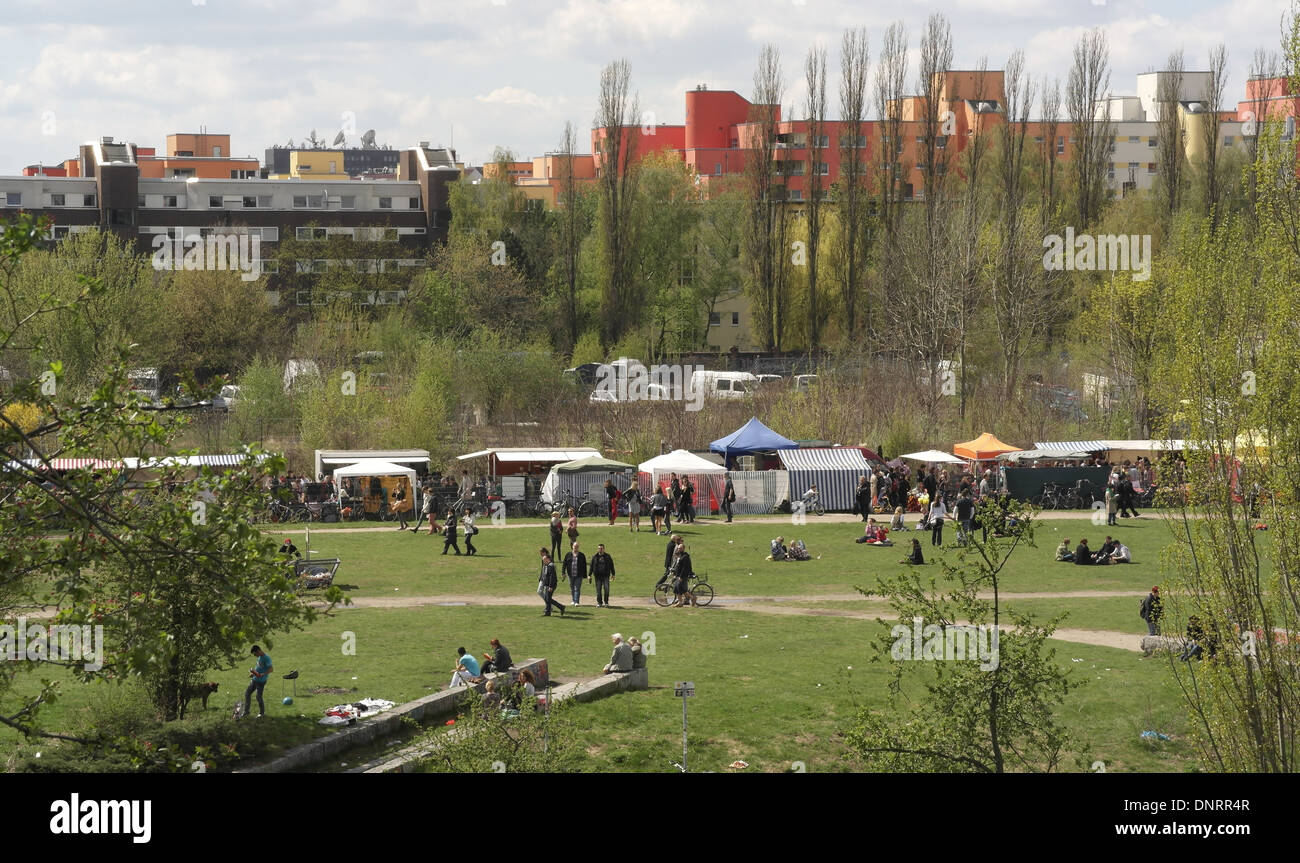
[[758, 696]]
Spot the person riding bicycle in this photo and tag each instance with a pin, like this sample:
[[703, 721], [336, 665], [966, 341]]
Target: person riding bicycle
[[810, 497], [681, 573]]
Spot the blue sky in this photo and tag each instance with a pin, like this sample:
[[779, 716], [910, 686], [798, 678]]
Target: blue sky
[[483, 73]]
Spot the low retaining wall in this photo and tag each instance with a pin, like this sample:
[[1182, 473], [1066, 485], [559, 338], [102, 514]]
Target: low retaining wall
[[366, 731]]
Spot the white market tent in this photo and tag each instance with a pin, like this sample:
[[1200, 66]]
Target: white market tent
[[707, 477], [327, 460], [374, 467], [515, 460], [933, 455]]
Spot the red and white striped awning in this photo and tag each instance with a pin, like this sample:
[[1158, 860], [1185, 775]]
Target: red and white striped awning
[[62, 464]]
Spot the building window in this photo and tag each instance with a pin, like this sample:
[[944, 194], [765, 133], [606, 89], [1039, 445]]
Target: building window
[[307, 201], [14, 199], [88, 201], [385, 203], [1060, 146], [56, 200], [60, 232], [1153, 141], [139, 200], [182, 173], [1227, 140], [334, 167], [1134, 139], [216, 152], [250, 202], [263, 200], [796, 195], [1038, 139], [1133, 166], [215, 202], [1151, 167], [415, 203], [348, 202], [823, 168], [717, 169], [120, 216], [310, 233], [735, 319], [941, 142], [715, 319], [169, 200]]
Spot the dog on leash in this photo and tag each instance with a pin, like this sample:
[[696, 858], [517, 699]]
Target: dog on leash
[[200, 691], [1152, 643]]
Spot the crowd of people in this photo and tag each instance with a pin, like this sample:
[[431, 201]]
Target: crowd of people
[[1112, 551]]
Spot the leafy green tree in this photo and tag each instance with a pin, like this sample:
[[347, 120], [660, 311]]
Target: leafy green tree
[[970, 718]]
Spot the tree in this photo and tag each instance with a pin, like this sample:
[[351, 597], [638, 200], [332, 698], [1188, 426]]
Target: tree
[[851, 196], [1214, 90], [666, 254], [815, 77], [765, 225], [487, 739], [176, 575], [617, 114], [213, 322], [1173, 143], [570, 236], [1085, 91], [987, 714]]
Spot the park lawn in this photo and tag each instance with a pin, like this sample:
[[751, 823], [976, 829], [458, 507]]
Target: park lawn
[[756, 675], [1113, 614], [384, 563]]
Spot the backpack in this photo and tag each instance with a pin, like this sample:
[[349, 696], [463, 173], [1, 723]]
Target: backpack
[[1144, 610]]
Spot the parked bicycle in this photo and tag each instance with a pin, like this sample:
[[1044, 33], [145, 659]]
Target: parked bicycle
[[564, 501], [665, 596]]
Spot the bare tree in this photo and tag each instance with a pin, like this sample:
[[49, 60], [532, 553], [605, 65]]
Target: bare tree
[[570, 235], [1213, 105], [968, 251], [1263, 68], [1022, 309], [1051, 125], [853, 218], [765, 195], [617, 113], [1086, 87], [1169, 90], [891, 79], [937, 122], [815, 77]]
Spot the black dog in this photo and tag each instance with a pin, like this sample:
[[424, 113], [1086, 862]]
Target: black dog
[[200, 691]]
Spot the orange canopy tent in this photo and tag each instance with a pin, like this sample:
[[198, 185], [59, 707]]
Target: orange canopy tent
[[984, 447]]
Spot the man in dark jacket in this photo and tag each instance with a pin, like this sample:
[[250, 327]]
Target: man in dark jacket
[[575, 570], [1083, 554], [1152, 610], [965, 513], [449, 529], [668, 557], [602, 570], [728, 498], [547, 583], [863, 497], [498, 660]]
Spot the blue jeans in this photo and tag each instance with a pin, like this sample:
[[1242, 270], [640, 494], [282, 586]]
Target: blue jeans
[[254, 686], [575, 588]]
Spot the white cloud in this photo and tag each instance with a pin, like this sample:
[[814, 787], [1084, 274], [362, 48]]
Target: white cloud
[[515, 96]]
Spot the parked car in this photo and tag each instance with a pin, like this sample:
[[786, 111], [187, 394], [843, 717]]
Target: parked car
[[803, 382], [724, 385], [226, 399]]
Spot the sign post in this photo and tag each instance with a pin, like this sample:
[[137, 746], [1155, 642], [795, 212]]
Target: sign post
[[684, 690]]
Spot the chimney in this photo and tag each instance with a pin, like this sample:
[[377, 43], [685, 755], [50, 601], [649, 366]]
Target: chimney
[[424, 145]]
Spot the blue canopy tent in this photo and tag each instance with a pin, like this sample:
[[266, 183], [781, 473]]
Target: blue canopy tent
[[752, 437]]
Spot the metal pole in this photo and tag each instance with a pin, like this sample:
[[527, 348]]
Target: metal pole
[[684, 700]]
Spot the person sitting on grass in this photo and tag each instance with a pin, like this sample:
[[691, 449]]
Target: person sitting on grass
[[874, 534], [915, 558], [798, 551], [779, 551], [897, 522], [1120, 554], [1083, 554], [1063, 553]]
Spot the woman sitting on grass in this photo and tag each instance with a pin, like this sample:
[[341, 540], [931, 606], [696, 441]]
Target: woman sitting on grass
[[897, 522], [915, 557], [874, 534], [779, 551]]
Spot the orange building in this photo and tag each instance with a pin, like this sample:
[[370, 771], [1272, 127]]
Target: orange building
[[197, 154]]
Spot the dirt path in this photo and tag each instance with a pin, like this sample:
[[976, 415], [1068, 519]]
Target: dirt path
[[777, 606]]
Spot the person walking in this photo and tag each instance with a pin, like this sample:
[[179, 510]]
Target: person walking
[[428, 511], [547, 583], [573, 525], [728, 497], [862, 497], [633, 498], [557, 533], [688, 499], [575, 570], [602, 570], [611, 497], [681, 572], [258, 676], [400, 507], [673, 542], [659, 512], [1112, 504], [1127, 503], [965, 515], [937, 512], [449, 534], [467, 520], [1152, 610]]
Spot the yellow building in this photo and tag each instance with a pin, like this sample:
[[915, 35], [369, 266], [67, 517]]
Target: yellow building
[[729, 323], [314, 165]]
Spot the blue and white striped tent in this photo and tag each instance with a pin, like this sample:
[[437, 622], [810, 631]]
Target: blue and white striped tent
[[835, 471]]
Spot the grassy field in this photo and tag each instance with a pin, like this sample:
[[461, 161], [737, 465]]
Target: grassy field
[[757, 674]]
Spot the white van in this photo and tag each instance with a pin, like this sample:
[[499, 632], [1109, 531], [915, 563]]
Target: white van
[[724, 385]]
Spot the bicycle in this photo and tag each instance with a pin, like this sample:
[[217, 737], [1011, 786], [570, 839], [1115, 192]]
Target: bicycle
[[460, 505], [813, 504], [664, 595], [566, 500]]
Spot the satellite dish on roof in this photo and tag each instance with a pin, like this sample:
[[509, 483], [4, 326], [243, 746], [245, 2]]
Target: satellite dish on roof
[[290, 143], [368, 139], [338, 139]]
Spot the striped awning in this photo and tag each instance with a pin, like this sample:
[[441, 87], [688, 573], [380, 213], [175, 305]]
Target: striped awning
[[62, 464], [1068, 446], [223, 460], [835, 471], [838, 458]]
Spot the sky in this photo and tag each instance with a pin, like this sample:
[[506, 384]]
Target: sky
[[481, 74]]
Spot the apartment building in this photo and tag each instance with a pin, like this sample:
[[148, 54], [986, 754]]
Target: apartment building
[[111, 191]]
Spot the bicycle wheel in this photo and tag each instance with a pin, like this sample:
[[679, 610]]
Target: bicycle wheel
[[663, 594], [703, 593], [587, 509], [818, 509]]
